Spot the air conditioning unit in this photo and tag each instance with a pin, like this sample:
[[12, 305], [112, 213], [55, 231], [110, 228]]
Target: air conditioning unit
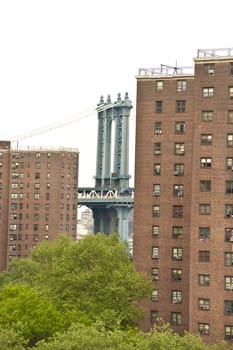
[[155, 278], [158, 152], [211, 71], [156, 194], [205, 307], [158, 132]]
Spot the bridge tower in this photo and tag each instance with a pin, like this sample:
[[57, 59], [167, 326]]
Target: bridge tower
[[111, 200]]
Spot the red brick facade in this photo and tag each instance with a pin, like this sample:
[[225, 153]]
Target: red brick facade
[[183, 229], [38, 198]]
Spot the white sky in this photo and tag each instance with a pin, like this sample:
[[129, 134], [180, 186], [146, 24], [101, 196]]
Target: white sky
[[58, 56]]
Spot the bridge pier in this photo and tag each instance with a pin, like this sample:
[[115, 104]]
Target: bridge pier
[[111, 200]]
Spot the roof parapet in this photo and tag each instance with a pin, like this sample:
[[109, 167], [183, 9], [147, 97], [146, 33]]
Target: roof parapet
[[165, 70], [217, 53]]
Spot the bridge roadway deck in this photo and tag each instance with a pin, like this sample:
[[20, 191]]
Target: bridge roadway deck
[[92, 197]]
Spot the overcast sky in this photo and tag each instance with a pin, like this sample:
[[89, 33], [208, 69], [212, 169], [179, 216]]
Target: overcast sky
[[57, 57]]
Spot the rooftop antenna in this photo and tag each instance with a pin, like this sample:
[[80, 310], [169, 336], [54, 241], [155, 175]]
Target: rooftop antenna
[[175, 69]]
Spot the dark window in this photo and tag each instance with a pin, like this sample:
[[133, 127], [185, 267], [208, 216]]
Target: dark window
[[176, 274], [180, 106], [204, 255], [229, 258], [153, 316], [228, 307], [229, 234], [158, 106], [204, 232], [205, 186], [177, 210]]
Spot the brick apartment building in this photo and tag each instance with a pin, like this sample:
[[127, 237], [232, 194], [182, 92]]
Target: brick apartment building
[[38, 198], [183, 214]]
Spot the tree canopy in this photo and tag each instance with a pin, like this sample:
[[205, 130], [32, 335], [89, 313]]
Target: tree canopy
[[86, 281]]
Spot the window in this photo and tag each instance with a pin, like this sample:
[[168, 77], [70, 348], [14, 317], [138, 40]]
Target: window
[[13, 237], [204, 328], [37, 186], [231, 67], [229, 187], [13, 227], [154, 295], [37, 175], [36, 217], [156, 210], [177, 253], [35, 237], [180, 106], [228, 234], [153, 316], [35, 227], [158, 128], [155, 252], [177, 232], [206, 139], [177, 210], [204, 280], [46, 227], [14, 195], [230, 117], [157, 169], [159, 86], [180, 127], [204, 209], [37, 165], [203, 304], [181, 85], [155, 273], [230, 91], [229, 140], [205, 162], [157, 148], [13, 247], [228, 332], [205, 186], [209, 68], [176, 274], [207, 116], [228, 283], [36, 206], [176, 318], [228, 258], [36, 196], [178, 169], [228, 307], [208, 92], [176, 297], [204, 232], [158, 106], [229, 210], [155, 231], [179, 148], [204, 256], [48, 176], [47, 196], [156, 190], [178, 190], [37, 155]]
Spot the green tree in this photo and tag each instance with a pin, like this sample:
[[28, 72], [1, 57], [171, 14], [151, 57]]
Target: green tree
[[11, 338], [38, 315], [93, 278]]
